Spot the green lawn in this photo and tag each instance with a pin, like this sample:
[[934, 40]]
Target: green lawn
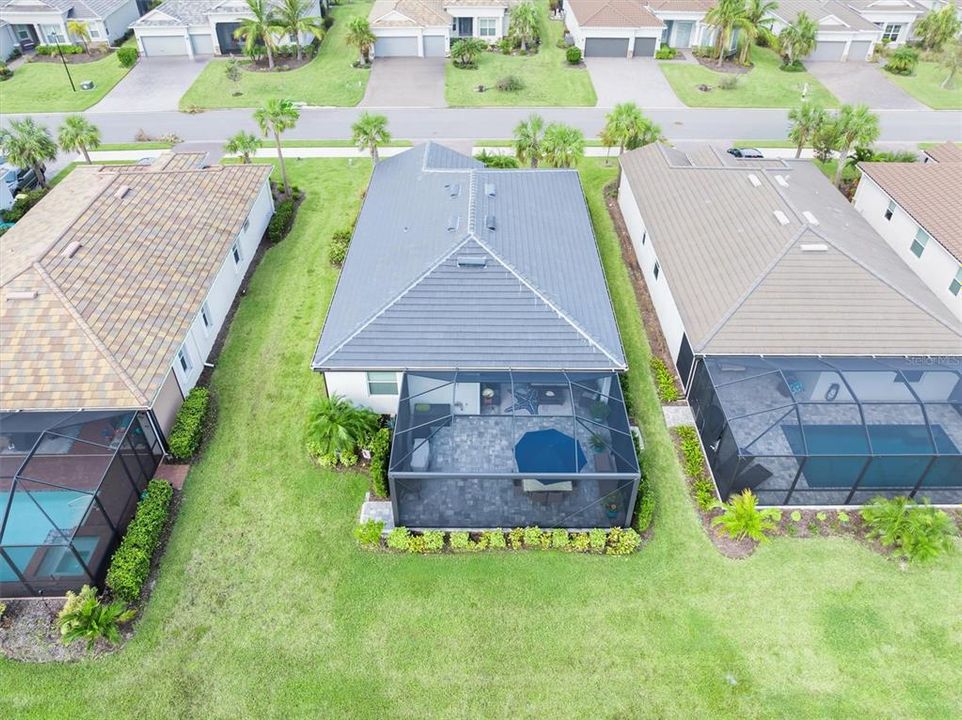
[[548, 79], [44, 87], [765, 86], [265, 608], [328, 80], [926, 86]]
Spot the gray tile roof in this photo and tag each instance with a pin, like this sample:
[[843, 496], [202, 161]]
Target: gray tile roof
[[74, 8], [177, 13], [788, 10], [744, 282], [404, 301]]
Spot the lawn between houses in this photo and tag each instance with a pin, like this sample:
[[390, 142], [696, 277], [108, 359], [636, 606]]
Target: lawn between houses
[[764, 86], [265, 607], [925, 85], [327, 80], [44, 87]]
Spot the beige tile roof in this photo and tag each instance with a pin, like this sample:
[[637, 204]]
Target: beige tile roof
[[681, 5], [930, 192], [415, 13], [818, 10], [100, 329], [946, 152], [613, 13], [744, 282]]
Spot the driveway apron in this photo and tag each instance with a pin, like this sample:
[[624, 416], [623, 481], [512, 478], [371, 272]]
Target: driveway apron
[[637, 80], [862, 82], [153, 85], [405, 82]]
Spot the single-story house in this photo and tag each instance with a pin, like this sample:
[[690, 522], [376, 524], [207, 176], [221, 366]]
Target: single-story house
[[843, 34], [8, 41], [894, 18], [820, 369], [44, 22], [490, 337], [613, 28], [426, 28], [201, 27], [113, 289], [915, 208]]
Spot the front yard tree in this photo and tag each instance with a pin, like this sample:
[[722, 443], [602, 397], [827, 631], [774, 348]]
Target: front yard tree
[[759, 15], [370, 131], [359, 36], [524, 23], [628, 127], [466, 51], [563, 145], [938, 27], [798, 39], [78, 29], [27, 144], [232, 72], [727, 17], [856, 125], [78, 134], [294, 18], [273, 119], [951, 60], [259, 31], [807, 119], [528, 138], [244, 145]]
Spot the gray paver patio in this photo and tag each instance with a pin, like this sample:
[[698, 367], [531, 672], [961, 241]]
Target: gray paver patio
[[862, 82], [637, 80], [405, 82], [153, 85]]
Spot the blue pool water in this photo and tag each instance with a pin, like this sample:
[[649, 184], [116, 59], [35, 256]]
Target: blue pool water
[[26, 524]]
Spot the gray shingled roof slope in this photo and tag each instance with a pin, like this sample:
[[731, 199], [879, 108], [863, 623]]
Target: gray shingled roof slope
[[77, 8], [402, 301]]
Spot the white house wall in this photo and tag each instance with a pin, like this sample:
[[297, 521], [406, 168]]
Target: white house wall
[[117, 23], [498, 13], [8, 42], [353, 386], [892, 17]]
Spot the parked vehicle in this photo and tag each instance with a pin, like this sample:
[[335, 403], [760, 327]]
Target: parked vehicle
[[746, 153]]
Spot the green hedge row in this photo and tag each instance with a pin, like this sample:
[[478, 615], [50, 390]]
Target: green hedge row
[[694, 466], [188, 431], [130, 565], [52, 49], [281, 221], [380, 457]]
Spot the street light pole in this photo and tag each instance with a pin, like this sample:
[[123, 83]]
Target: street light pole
[[64, 61]]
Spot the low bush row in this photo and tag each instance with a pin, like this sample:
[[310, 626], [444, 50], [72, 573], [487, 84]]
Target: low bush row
[[282, 220], [694, 466], [189, 425], [664, 380], [64, 48], [380, 448], [22, 204], [130, 564]]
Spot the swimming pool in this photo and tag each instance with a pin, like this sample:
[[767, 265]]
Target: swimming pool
[[27, 525]]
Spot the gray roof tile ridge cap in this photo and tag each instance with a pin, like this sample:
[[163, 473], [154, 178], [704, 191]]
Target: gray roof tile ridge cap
[[393, 301], [547, 301], [472, 203]]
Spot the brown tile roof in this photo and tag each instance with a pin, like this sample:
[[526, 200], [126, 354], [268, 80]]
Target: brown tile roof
[[613, 13], [416, 13], [681, 5], [99, 329], [946, 152], [929, 192]]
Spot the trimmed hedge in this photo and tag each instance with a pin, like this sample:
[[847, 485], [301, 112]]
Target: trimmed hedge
[[127, 56], [52, 50], [281, 222], [664, 380], [694, 467], [616, 541], [130, 565], [22, 205], [380, 457], [189, 425]]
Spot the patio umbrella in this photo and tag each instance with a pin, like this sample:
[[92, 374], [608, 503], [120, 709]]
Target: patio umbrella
[[549, 451]]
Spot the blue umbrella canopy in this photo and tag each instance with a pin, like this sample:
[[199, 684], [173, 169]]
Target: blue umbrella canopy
[[549, 451]]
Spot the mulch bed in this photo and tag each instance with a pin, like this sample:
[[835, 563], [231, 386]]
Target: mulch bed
[[281, 64], [80, 59], [727, 66]]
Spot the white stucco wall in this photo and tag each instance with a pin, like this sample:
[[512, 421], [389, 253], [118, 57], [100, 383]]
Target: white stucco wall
[[8, 42], [498, 13], [353, 386], [119, 20], [889, 16]]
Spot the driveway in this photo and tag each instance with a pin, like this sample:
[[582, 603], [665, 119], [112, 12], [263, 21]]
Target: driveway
[[862, 82], [154, 85], [405, 82], [637, 80]]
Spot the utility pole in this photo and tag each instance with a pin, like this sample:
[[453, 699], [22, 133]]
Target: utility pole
[[64, 61]]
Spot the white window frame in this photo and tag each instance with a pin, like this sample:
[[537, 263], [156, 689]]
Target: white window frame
[[237, 253], [184, 358], [920, 240], [956, 285], [482, 22], [382, 379], [94, 32], [206, 317], [887, 32], [890, 210]]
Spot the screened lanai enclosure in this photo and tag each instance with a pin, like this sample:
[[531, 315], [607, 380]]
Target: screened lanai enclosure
[[510, 449], [831, 431], [69, 484]]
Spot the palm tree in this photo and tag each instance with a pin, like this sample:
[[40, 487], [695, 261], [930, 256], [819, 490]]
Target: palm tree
[[759, 14], [335, 426], [294, 17], [78, 134], [259, 30], [563, 145], [806, 119], [27, 144], [951, 60], [78, 28], [856, 125], [727, 17], [938, 27], [524, 22], [528, 138], [370, 131], [798, 39], [359, 36], [274, 118], [629, 127], [243, 144], [466, 51]]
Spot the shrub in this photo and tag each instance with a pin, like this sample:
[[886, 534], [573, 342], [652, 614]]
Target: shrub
[[399, 538], [3, 609], [666, 53], [22, 204], [919, 532], [644, 506], [821, 516], [573, 55], [693, 461], [340, 241], [127, 56], [130, 565], [843, 517], [336, 426], [66, 49], [796, 516], [380, 457], [349, 458], [328, 22], [792, 67], [506, 45], [84, 617], [494, 539], [597, 540], [189, 425], [728, 82], [5, 72], [580, 542], [664, 381], [516, 538], [559, 539], [705, 496], [622, 541], [496, 160], [533, 537], [510, 83], [742, 518], [280, 223], [368, 533], [903, 61], [431, 541], [459, 541]]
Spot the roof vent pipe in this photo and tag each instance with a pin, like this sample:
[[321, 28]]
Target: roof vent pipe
[[753, 179], [474, 261], [489, 222], [489, 189], [814, 247], [810, 217], [122, 192], [71, 249], [781, 217]]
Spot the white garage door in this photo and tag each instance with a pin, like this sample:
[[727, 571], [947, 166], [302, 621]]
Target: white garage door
[[859, 50], [827, 51], [163, 45], [434, 46], [202, 44], [606, 47], [406, 46]]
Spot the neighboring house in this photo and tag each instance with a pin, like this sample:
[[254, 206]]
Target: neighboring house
[[114, 288], [44, 22], [843, 34], [8, 41], [473, 307], [426, 28], [894, 18], [201, 27], [820, 369], [915, 208]]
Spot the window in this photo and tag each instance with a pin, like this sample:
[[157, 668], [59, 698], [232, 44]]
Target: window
[[644, 236], [382, 383], [487, 27], [918, 244], [956, 284], [236, 252], [891, 32], [183, 357], [94, 33], [52, 34], [657, 270], [206, 316], [890, 210], [247, 224]]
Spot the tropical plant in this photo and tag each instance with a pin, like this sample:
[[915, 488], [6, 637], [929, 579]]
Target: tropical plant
[[798, 39], [902, 61], [368, 533], [951, 60], [627, 125], [807, 119], [825, 140], [466, 51], [759, 15], [525, 23], [294, 18], [728, 17], [78, 134], [938, 27], [919, 532], [854, 125], [359, 36], [563, 145], [336, 426], [529, 139], [232, 72], [370, 131], [28, 144], [79, 29], [497, 161], [84, 617], [243, 144], [742, 518], [273, 119], [259, 31]]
